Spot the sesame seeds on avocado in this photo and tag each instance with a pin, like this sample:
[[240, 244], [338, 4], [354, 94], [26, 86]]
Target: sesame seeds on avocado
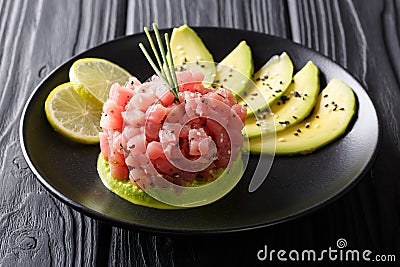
[[332, 114], [270, 83], [291, 108]]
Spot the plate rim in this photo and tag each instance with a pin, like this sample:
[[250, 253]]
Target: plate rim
[[187, 231]]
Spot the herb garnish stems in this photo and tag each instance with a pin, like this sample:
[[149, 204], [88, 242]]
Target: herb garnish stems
[[167, 68]]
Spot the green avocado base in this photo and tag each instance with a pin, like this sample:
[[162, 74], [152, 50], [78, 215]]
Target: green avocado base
[[207, 193], [125, 188]]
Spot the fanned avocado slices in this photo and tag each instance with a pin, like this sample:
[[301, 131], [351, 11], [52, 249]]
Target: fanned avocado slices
[[270, 83], [333, 112], [235, 70], [291, 108], [189, 52]]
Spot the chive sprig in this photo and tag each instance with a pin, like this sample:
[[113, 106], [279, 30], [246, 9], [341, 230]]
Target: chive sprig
[[166, 68]]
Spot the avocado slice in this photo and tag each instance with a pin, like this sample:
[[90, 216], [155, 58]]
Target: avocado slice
[[189, 52], [235, 70], [270, 83], [333, 112], [292, 107]]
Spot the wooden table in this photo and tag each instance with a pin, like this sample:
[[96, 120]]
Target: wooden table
[[36, 36]]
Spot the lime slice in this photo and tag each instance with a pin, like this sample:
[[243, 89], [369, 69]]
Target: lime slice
[[92, 78], [73, 116]]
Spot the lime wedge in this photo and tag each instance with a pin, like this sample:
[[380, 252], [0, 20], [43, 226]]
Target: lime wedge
[[73, 116], [92, 78]]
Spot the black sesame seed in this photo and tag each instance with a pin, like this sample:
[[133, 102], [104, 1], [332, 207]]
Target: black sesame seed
[[296, 94], [280, 82], [294, 117], [298, 130], [265, 76], [325, 96], [278, 103], [254, 94], [317, 117], [258, 79], [326, 105], [284, 99], [341, 109], [296, 134], [307, 125]]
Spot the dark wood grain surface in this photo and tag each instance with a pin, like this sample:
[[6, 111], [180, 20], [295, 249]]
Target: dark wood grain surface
[[36, 36]]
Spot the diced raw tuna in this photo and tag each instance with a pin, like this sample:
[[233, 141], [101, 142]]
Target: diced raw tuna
[[144, 127]]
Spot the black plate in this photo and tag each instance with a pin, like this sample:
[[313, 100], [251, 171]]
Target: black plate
[[295, 185]]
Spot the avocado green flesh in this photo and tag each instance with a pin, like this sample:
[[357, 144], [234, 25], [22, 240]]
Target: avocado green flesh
[[292, 107], [189, 52], [235, 70], [270, 83], [328, 122], [125, 188], [209, 192]]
